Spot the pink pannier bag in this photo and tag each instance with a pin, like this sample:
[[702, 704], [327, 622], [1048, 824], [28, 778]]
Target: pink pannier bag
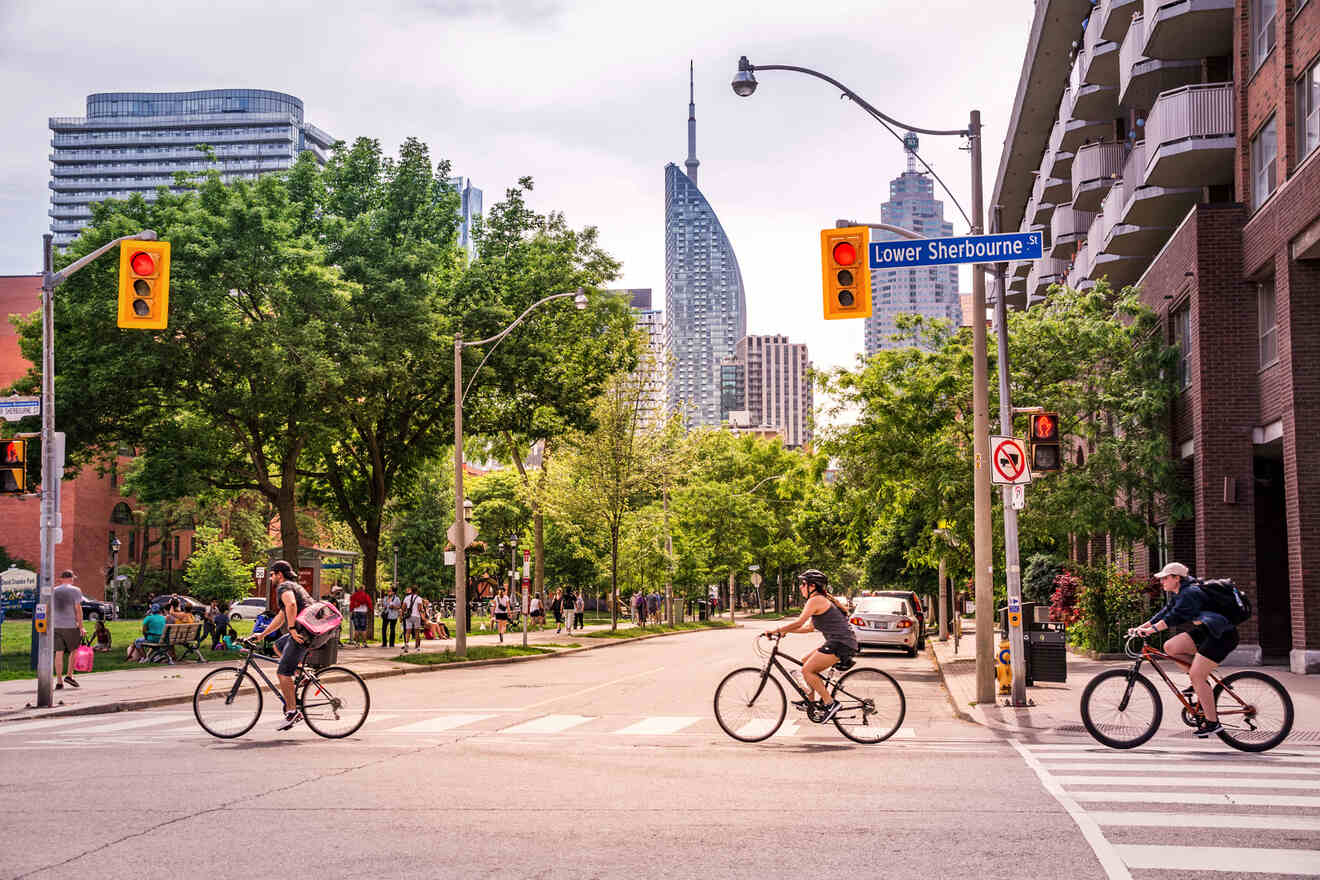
[[82, 658], [318, 622]]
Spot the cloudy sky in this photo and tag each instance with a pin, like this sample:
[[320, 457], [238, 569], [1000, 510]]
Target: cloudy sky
[[589, 98]]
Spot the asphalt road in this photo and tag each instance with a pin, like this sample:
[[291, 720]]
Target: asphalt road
[[609, 763]]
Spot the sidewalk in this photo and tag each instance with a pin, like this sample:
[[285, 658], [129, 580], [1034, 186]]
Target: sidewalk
[[156, 685], [1056, 704]]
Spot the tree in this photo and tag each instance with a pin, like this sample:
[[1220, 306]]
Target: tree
[[216, 571]]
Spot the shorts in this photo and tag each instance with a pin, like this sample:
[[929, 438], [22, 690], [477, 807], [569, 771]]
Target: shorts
[[501, 615], [1213, 647], [359, 621], [842, 650], [412, 624], [291, 654], [67, 638]]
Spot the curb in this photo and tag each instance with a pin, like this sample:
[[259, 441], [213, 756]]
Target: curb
[[405, 669], [948, 691]]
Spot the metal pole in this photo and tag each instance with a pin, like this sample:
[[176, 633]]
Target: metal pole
[[669, 561], [982, 551], [460, 546], [944, 601], [49, 479], [733, 581]]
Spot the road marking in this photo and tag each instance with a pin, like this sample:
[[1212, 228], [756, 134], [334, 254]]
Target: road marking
[[1165, 782], [45, 723], [436, 725], [1103, 849], [549, 724], [1262, 770], [1192, 760], [597, 687], [1206, 820], [127, 725], [1197, 797], [1221, 858], [658, 725], [1185, 749]]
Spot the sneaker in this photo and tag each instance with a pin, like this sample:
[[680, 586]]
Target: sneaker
[[830, 711], [59, 685], [290, 719], [804, 705], [1189, 692], [1206, 728], [71, 681]]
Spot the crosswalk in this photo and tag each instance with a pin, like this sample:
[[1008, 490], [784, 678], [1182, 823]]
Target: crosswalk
[[1200, 808]]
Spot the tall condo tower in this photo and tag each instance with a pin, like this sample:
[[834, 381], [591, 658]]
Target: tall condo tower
[[704, 296]]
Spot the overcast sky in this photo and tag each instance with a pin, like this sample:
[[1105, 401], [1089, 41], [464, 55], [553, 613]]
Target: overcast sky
[[589, 98]]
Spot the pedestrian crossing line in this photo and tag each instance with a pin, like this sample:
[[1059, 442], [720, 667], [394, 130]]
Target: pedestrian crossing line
[[549, 724], [1191, 759], [1203, 782], [1251, 767], [42, 724], [1198, 797], [440, 724], [1046, 750], [1221, 858], [1206, 820], [131, 724], [658, 725]]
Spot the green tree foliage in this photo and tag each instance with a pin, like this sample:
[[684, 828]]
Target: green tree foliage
[[216, 570]]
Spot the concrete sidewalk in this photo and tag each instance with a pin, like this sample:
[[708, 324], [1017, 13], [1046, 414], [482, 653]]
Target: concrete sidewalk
[[1056, 706]]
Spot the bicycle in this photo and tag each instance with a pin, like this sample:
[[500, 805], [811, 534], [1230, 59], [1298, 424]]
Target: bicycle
[[750, 704], [227, 702], [1122, 709]]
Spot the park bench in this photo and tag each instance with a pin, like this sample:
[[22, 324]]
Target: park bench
[[185, 636]]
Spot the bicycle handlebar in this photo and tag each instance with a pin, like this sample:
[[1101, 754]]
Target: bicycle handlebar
[[1133, 638]]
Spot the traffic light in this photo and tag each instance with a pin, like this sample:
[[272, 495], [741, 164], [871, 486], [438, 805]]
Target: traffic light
[[144, 285], [1045, 452], [845, 273], [13, 467]]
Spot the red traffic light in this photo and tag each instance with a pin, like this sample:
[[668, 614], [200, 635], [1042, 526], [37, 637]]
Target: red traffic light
[[844, 253], [1044, 426], [142, 263]]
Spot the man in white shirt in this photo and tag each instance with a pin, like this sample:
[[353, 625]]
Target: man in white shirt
[[66, 619]]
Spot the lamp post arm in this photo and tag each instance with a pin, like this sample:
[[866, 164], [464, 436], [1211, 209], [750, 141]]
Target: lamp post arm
[[499, 337], [61, 276], [887, 227]]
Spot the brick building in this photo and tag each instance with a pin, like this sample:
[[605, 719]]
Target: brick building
[[1173, 144]]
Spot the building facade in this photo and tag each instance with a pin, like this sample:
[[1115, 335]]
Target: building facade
[[932, 290], [469, 211], [705, 304], [1176, 150], [134, 142], [652, 369], [778, 387]]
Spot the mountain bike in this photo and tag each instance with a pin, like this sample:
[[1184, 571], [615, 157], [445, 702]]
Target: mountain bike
[[750, 704], [227, 702], [1122, 709]]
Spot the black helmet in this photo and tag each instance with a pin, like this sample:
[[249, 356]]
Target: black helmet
[[814, 577]]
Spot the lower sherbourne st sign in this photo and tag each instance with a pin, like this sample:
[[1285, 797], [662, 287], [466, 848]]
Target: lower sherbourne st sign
[[906, 254]]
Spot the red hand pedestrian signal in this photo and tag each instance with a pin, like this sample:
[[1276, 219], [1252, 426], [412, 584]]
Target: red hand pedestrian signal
[[1046, 454], [13, 467]]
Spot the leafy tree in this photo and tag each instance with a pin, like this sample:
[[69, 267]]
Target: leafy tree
[[215, 570]]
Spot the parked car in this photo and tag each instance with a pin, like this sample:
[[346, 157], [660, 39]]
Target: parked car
[[186, 603], [95, 609], [885, 622], [915, 601], [247, 609]]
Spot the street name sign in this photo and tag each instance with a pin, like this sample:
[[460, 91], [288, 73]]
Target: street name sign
[[15, 408], [910, 253], [1008, 461]]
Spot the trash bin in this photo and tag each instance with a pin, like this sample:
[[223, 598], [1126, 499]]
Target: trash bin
[[703, 610], [1045, 643]]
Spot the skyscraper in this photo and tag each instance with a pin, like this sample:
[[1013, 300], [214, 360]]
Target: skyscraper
[[469, 211], [653, 365], [931, 290], [134, 142], [778, 386], [704, 298]]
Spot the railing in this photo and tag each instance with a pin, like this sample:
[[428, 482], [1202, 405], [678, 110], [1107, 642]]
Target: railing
[[1134, 168], [235, 118], [1051, 269], [186, 137], [1129, 54], [1056, 137], [1112, 210], [1195, 111], [1066, 222], [173, 154], [1081, 267], [1093, 44], [1095, 238], [1096, 162]]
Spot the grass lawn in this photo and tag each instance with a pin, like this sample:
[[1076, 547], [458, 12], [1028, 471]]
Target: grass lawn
[[770, 615], [475, 652], [632, 632]]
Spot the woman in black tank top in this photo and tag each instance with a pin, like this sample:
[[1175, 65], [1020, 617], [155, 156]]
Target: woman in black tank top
[[822, 613]]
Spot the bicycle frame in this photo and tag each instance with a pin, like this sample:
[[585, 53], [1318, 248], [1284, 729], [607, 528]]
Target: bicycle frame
[[1152, 656], [249, 665]]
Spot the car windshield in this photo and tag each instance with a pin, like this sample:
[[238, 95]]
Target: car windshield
[[881, 605]]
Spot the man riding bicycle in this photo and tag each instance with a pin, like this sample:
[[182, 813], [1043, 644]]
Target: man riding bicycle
[[290, 600], [824, 614], [1210, 639]]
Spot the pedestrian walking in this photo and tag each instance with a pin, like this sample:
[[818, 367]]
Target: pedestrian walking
[[219, 618], [536, 612], [500, 610], [390, 607], [360, 606], [579, 611], [653, 607], [66, 618], [557, 609], [208, 620], [412, 619]]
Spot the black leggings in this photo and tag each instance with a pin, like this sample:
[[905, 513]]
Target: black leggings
[[388, 627]]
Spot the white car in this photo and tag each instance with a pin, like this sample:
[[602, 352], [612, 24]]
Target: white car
[[885, 622], [247, 609]]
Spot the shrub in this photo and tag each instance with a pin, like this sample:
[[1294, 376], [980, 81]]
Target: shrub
[[1063, 601], [1038, 577], [216, 571], [1111, 602]]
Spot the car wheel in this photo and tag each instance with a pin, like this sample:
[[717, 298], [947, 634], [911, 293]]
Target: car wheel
[[95, 615], [235, 616]]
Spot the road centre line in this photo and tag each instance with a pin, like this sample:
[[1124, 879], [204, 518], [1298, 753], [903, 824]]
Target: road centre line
[[597, 687], [1221, 858], [1209, 782], [1199, 797], [1206, 820]]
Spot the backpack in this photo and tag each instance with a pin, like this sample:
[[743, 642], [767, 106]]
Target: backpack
[[1226, 599], [318, 622]]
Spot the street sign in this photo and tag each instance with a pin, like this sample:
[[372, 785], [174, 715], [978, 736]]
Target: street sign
[[1008, 461], [1018, 496], [455, 534], [450, 556], [909, 253], [15, 408], [756, 579]]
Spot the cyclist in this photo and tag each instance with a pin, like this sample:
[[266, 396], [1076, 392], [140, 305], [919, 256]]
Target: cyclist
[[825, 614], [290, 600], [1203, 646]]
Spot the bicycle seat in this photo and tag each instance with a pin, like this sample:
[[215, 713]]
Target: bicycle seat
[[845, 665]]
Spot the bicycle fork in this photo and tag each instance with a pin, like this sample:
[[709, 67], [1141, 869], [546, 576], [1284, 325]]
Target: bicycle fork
[[1131, 683]]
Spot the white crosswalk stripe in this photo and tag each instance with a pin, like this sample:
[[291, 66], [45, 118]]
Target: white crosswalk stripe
[[659, 725], [549, 724], [1095, 785]]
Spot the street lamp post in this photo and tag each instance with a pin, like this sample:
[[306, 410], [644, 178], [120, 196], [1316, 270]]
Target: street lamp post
[[744, 84], [460, 524], [114, 570]]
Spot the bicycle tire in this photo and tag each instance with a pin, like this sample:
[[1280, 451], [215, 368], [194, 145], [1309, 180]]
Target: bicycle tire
[[744, 687], [1235, 732], [209, 695], [1150, 705], [337, 693], [885, 694]]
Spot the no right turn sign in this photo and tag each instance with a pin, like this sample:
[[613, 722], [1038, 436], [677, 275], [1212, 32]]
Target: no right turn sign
[[1008, 461]]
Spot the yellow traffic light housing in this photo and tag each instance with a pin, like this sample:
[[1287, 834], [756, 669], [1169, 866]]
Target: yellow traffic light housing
[[144, 285], [13, 467], [1046, 450], [845, 272]]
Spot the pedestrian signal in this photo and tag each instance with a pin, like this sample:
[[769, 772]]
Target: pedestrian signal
[[144, 285], [1046, 454], [846, 278], [13, 467]]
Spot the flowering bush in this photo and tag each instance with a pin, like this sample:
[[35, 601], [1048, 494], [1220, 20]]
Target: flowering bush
[[1063, 602]]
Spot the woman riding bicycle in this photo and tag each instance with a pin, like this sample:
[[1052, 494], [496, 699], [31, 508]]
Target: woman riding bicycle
[[826, 615], [1203, 647]]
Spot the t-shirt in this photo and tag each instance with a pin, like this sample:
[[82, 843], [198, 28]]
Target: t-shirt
[[184, 617], [154, 626], [392, 606], [413, 605], [65, 600], [300, 598]]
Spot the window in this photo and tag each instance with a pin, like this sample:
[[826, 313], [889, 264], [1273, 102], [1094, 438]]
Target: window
[[1264, 150], [1308, 110], [1182, 337], [1262, 30], [1266, 323]]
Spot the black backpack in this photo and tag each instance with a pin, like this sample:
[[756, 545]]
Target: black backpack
[[1225, 598]]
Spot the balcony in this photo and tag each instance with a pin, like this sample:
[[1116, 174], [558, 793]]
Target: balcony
[[1114, 17], [1044, 273], [1141, 79], [1188, 28], [1078, 129], [1099, 58], [1059, 162], [1189, 137], [1096, 168], [1081, 268], [1067, 228], [1056, 190], [1152, 206]]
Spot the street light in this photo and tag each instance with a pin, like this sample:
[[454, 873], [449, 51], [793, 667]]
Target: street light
[[744, 84], [460, 502], [114, 570]]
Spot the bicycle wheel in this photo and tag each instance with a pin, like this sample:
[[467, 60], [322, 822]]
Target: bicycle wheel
[[748, 710], [1121, 708], [227, 702], [872, 705], [1267, 719], [334, 702]]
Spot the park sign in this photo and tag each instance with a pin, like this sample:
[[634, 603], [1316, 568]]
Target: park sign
[[911, 253]]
